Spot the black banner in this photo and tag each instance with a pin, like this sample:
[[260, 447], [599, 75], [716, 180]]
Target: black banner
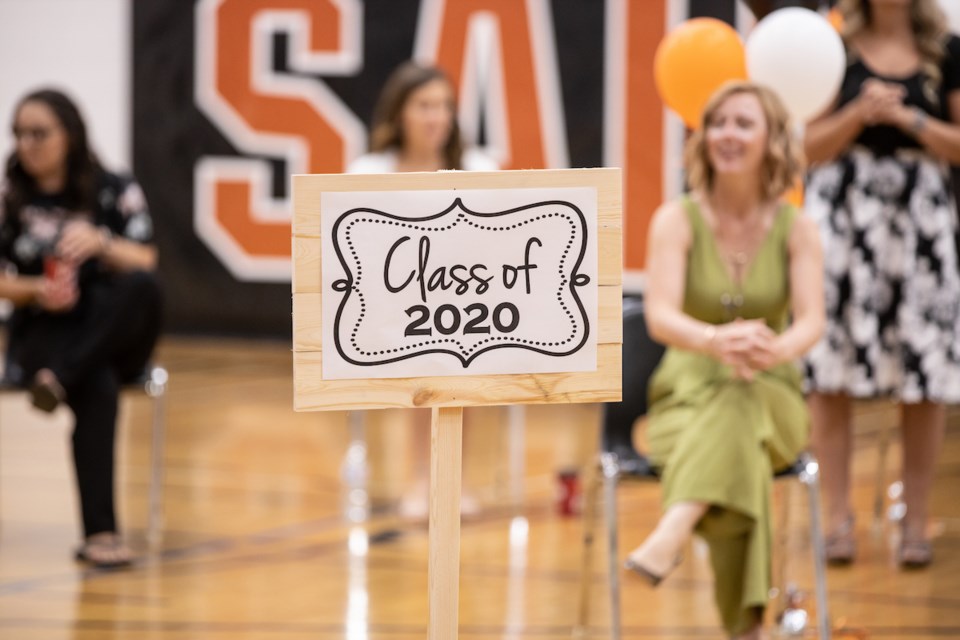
[[213, 284]]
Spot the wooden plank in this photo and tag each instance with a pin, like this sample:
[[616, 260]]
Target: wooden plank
[[443, 576], [307, 318], [308, 188], [306, 261], [313, 393]]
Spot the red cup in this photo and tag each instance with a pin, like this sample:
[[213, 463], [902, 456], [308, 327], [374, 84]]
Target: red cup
[[568, 492], [51, 265]]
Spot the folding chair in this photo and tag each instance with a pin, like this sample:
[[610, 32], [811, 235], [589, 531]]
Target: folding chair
[[618, 461], [152, 381]]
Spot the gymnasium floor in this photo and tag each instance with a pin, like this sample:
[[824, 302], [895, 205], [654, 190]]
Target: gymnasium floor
[[255, 545]]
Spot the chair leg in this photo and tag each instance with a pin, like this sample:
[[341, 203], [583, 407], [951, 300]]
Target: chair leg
[[611, 473], [811, 478], [156, 388], [591, 489], [779, 589]]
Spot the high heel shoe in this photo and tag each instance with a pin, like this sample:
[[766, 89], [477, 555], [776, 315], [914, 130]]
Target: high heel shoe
[[46, 393], [653, 579], [840, 546], [913, 553]]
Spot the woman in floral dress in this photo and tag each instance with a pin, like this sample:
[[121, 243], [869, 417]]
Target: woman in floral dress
[[880, 194]]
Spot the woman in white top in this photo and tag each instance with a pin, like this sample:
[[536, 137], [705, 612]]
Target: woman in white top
[[415, 129]]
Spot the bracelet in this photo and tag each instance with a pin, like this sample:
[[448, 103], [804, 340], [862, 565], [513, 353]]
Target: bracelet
[[106, 237], [919, 122], [709, 335]]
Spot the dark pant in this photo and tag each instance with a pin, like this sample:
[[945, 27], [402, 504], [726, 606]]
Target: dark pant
[[103, 342]]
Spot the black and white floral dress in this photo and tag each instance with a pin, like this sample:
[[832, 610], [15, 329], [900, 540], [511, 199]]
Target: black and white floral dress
[[888, 223]]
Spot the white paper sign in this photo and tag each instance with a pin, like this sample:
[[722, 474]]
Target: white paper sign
[[459, 282]]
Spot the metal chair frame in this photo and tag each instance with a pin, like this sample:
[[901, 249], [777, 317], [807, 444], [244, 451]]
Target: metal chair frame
[[610, 469], [153, 382], [607, 474]]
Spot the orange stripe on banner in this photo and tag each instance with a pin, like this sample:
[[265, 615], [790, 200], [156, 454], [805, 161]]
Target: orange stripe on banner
[[643, 130], [234, 207], [270, 114], [522, 99]]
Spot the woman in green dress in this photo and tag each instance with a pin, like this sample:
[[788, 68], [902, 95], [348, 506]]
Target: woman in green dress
[[728, 264]]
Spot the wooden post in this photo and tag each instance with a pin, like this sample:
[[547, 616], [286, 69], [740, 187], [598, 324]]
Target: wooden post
[[443, 580]]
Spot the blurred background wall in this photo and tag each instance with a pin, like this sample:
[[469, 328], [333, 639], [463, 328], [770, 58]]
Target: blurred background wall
[[84, 46], [214, 103]]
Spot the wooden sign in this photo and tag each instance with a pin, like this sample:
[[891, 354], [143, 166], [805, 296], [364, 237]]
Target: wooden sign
[[456, 288]]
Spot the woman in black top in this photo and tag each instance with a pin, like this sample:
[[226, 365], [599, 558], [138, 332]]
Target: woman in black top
[[76, 240], [880, 194]]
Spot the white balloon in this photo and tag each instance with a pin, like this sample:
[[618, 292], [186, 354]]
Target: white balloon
[[799, 55]]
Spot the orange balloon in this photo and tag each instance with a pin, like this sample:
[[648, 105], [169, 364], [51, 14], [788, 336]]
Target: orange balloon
[[693, 61], [835, 18]]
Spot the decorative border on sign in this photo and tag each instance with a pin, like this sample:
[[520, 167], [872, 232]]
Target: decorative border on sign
[[350, 285]]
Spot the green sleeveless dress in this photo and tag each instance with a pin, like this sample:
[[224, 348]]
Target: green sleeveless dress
[[718, 439]]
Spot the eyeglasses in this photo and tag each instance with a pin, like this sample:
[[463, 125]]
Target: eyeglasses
[[38, 135]]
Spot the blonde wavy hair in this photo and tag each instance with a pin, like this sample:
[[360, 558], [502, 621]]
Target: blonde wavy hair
[[929, 25], [783, 161]]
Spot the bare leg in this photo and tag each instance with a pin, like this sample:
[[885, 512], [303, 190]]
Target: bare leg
[[923, 426], [831, 440], [658, 553]]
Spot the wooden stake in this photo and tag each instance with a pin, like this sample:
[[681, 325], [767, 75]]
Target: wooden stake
[[446, 453]]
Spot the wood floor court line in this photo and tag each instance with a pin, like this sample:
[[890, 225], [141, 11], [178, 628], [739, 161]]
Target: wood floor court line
[[256, 546]]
